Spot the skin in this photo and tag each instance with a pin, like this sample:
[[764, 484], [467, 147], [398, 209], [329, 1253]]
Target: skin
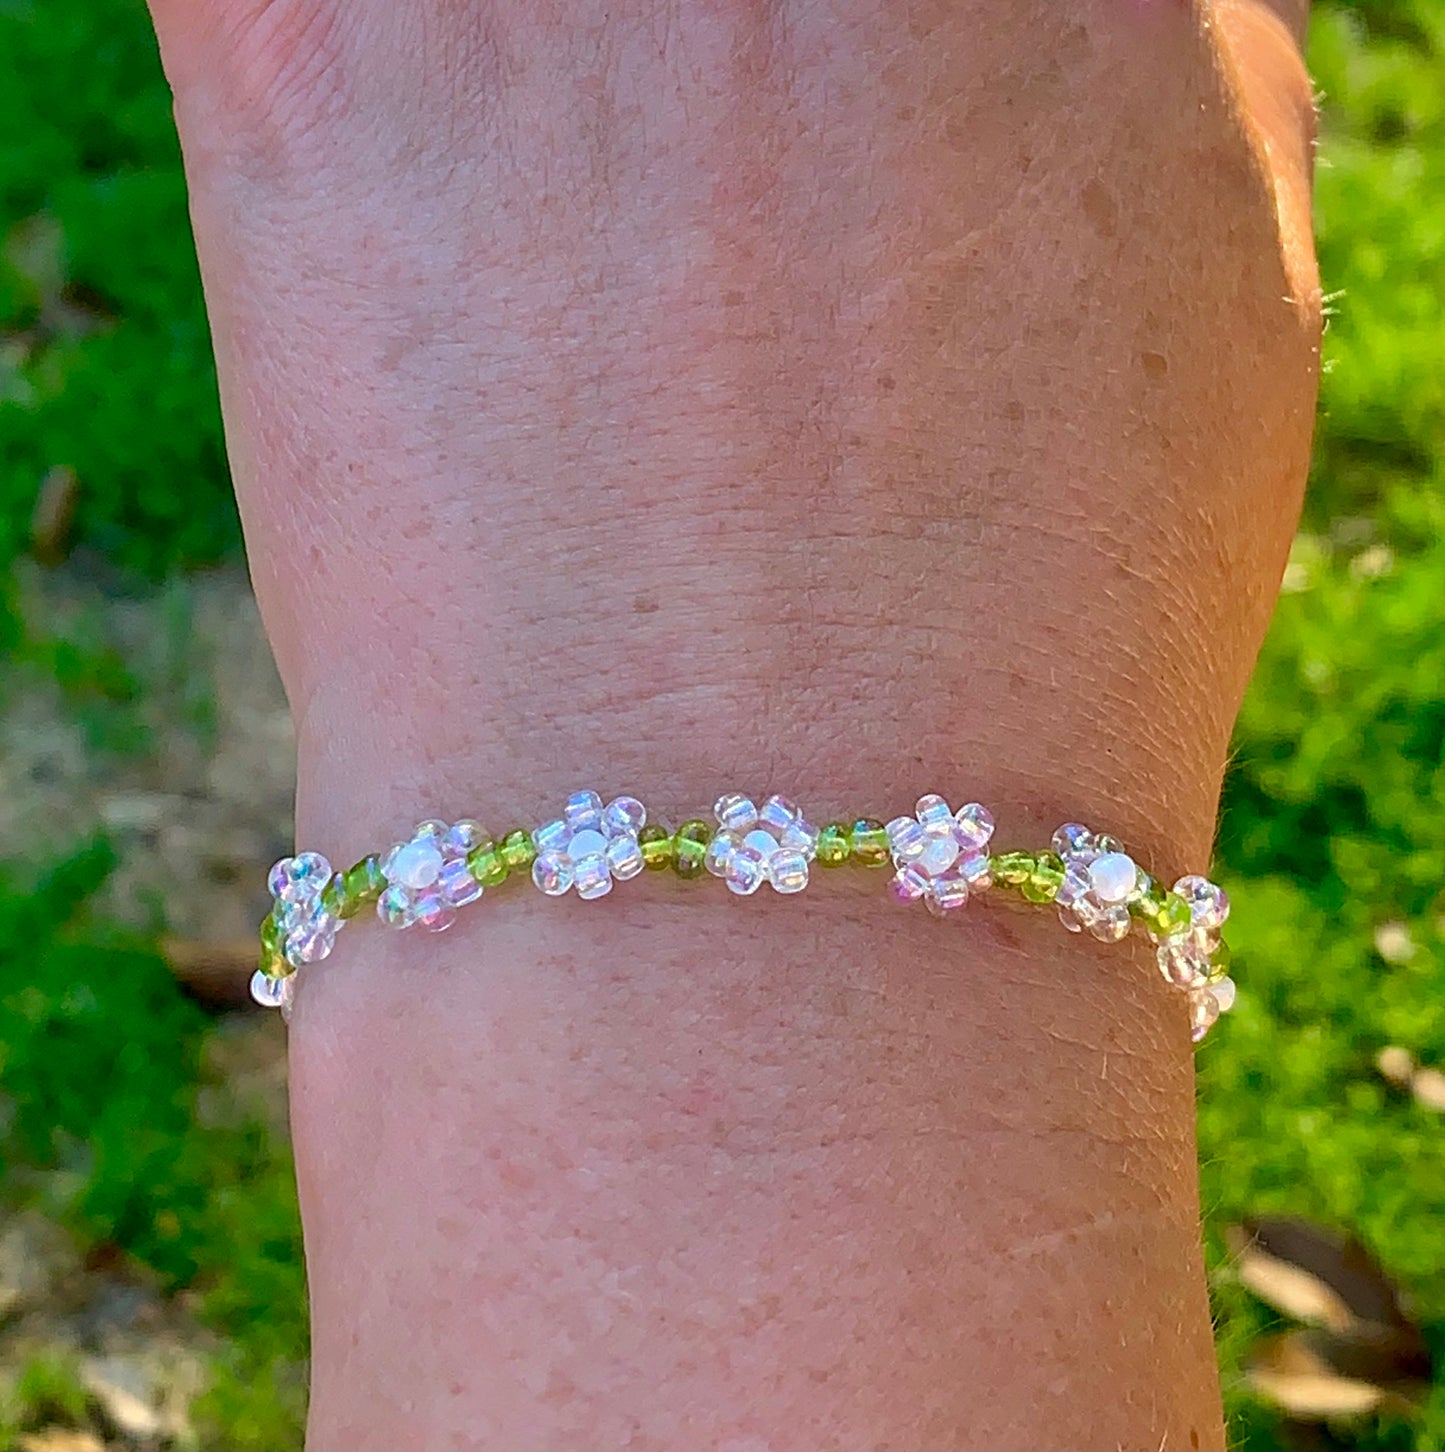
[[843, 398]]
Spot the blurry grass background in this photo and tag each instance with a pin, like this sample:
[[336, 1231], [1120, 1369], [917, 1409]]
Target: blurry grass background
[[1332, 838]]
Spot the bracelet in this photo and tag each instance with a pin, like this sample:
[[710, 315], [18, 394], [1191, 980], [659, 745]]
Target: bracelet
[[939, 857]]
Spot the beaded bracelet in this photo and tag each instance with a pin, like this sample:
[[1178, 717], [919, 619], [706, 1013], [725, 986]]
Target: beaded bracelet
[[939, 857]]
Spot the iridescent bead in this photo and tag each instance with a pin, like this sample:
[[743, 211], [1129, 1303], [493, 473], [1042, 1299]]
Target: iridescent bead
[[590, 876], [656, 844], [586, 843], [977, 871], [761, 841], [870, 842], [801, 836], [1203, 1012], [625, 816], [745, 872], [1070, 919], [456, 885], [973, 826], [334, 901], [833, 846], [1208, 903], [517, 850], [488, 865], [908, 884], [778, 812], [301, 878], [1111, 924], [433, 828], [947, 895], [462, 837], [312, 943], [1074, 885], [906, 839], [1072, 838], [1104, 844], [266, 991], [433, 914], [394, 908], [1173, 916], [722, 846], [272, 935], [1113, 877], [735, 812], [1224, 993], [933, 811], [690, 847], [1180, 964], [552, 873], [583, 811], [552, 836], [624, 858], [415, 864], [788, 870]]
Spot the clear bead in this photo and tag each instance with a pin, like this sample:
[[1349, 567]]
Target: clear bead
[[1071, 839], [1203, 1012], [787, 870], [1208, 903], [948, 894], [415, 864], [301, 878], [624, 858], [779, 812], [1224, 992], [311, 942], [735, 812], [279, 878], [973, 826], [1110, 924], [908, 885], [1205, 941], [583, 811], [1074, 887], [906, 839], [462, 837], [719, 850], [933, 811], [591, 877], [624, 817], [266, 991], [801, 836], [1070, 920], [431, 828], [394, 908], [435, 915], [762, 842], [746, 871], [976, 870], [1113, 877], [552, 836], [1105, 843], [456, 885], [552, 873], [1180, 965], [940, 852]]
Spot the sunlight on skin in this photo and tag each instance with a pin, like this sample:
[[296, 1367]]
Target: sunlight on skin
[[850, 399]]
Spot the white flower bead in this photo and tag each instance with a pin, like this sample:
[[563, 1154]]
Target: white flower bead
[[939, 853], [590, 846], [774, 844]]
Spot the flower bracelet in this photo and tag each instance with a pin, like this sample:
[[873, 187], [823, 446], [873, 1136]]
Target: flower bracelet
[[939, 857]]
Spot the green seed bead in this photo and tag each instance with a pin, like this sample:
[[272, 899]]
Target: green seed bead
[[1013, 869], [834, 844], [1046, 879], [656, 844], [274, 965], [364, 884], [486, 863], [1173, 916], [271, 935], [690, 847], [517, 850], [1147, 904], [1219, 961], [334, 900], [869, 841]]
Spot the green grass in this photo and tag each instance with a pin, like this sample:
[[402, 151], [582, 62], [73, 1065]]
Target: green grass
[[1334, 819]]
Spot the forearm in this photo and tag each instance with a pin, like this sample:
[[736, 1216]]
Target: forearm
[[853, 414]]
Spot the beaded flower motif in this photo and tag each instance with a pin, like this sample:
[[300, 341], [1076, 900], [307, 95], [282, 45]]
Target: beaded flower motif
[[1102, 891], [939, 854], [427, 876], [308, 929], [589, 846], [752, 845]]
